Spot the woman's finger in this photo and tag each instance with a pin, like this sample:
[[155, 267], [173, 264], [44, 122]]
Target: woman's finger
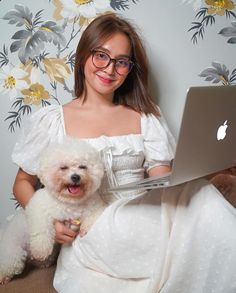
[[63, 234]]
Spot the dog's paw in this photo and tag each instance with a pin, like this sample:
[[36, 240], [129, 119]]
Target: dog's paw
[[84, 228], [39, 255], [41, 252], [86, 225], [11, 266], [83, 232], [5, 280]]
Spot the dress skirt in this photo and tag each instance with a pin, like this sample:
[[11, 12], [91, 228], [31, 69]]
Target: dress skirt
[[177, 239]]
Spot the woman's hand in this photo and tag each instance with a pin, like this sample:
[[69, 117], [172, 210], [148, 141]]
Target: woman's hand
[[63, 234], [226, 184]]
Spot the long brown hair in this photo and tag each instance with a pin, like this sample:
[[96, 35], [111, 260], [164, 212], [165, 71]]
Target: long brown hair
[[134, 91]]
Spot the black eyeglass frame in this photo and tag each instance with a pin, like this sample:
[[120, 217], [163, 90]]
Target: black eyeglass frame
[[114, 60]]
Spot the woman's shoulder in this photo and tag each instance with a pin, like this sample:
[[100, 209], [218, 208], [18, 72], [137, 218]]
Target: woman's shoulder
[[42, 128], [44, 120], [149, 121], [128, 113], [46, 116], [49, 110], [74, 104]]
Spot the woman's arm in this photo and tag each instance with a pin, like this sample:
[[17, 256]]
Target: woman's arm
[[24, 187]]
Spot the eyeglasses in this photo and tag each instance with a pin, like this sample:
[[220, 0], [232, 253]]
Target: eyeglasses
[[102, 60]]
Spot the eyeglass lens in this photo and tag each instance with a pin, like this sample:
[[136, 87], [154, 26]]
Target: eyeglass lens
[[102, 60]]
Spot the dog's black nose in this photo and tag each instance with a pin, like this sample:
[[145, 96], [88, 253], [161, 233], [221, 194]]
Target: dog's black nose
[[75, 178]]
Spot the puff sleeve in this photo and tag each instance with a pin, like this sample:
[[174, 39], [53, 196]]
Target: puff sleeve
[[40, 129], [159, 144]]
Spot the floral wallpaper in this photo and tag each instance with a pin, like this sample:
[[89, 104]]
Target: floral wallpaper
[[207, 14], [38, 62]]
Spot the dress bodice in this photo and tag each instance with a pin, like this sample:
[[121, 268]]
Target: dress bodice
[[123, 158]]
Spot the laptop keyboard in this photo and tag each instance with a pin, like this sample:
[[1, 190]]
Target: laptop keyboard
[[148, 183]]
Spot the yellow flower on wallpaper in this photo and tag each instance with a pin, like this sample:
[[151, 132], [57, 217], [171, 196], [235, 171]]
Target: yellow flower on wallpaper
[[57, 69], [35, 94], [219, 7], [206, 16]]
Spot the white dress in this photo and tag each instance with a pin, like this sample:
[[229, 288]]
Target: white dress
[[180, 239]]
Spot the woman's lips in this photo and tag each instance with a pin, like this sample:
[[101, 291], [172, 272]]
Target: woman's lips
[[105, 80]]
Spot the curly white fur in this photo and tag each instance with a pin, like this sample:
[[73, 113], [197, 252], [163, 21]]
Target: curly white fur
[[71, 173]]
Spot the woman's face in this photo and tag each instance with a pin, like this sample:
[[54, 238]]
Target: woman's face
[[105, 81]]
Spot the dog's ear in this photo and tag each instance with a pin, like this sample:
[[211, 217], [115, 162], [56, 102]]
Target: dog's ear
[[95, 162], [97, 173], [98, 170], [44, 163]]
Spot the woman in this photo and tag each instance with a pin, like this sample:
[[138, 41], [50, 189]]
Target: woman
[[172, 240]]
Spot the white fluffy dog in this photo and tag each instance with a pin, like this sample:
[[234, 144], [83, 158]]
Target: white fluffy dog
[[71, 173]]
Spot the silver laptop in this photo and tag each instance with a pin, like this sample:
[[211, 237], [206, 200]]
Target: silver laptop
[[207, 138]]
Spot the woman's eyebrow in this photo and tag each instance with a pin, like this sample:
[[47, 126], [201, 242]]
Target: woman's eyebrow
[[108, 52]]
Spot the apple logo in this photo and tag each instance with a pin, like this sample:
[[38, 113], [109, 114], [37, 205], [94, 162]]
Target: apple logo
[[221, 132]]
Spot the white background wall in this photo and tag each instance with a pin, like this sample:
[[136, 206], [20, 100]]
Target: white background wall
[[174, 60]]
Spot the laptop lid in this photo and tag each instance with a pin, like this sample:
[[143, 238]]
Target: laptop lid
[[207, 136]]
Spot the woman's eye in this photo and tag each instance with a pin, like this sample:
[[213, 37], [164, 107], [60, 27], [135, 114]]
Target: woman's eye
[[64, 168], [101, 56], [122, 63], [82, 167]]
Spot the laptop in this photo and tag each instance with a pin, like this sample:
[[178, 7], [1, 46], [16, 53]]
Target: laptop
[[207, 138]]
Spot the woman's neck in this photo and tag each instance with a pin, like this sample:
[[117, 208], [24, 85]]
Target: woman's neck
[[96, 100]]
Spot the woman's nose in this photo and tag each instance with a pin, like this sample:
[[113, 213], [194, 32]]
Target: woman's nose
[[110, 69]]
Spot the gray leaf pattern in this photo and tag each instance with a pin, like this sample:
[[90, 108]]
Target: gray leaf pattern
[[230, 32], [217, 73], [51, 32], [20, 16]]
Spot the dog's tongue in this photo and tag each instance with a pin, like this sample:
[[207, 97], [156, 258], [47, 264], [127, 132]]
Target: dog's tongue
[[74, 189]]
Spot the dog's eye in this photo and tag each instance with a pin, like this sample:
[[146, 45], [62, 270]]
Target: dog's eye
[[64, 168], [82, 167]]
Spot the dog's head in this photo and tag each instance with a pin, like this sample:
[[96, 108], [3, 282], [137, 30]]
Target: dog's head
[[72, 170]]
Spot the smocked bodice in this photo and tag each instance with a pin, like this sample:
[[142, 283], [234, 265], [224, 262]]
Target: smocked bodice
[[123, 158]]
